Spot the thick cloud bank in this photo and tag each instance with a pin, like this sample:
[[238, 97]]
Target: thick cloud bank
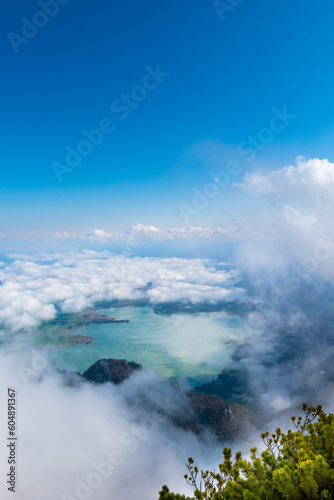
[[33, 286]]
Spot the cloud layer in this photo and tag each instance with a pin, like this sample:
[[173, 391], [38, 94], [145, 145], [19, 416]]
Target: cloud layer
[[140, 233], [33, 286]]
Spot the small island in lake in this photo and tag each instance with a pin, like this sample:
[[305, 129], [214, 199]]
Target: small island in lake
[[93, 318], [60, 331]]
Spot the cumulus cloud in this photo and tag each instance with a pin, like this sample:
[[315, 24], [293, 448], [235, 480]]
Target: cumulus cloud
[[32, 287], [309, 183], [297, 223]]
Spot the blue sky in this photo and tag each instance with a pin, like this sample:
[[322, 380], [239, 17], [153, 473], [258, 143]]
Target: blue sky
[[224, 80]]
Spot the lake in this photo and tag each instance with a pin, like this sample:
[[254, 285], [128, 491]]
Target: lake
[[180, 345]]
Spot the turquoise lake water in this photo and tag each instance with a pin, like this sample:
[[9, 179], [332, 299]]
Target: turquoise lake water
[[186, 345]]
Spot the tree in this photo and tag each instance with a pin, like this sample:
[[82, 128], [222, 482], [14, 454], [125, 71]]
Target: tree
[[298, 465]]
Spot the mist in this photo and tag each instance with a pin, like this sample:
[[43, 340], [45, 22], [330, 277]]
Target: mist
[[289, 273], [80, 441]]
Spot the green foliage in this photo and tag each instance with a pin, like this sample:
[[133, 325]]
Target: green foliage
[[298, 465]]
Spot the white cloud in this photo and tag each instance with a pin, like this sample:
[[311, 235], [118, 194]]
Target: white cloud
[[309, 181], [32, 288], [164, 292], [140, 232], [299, 218]]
